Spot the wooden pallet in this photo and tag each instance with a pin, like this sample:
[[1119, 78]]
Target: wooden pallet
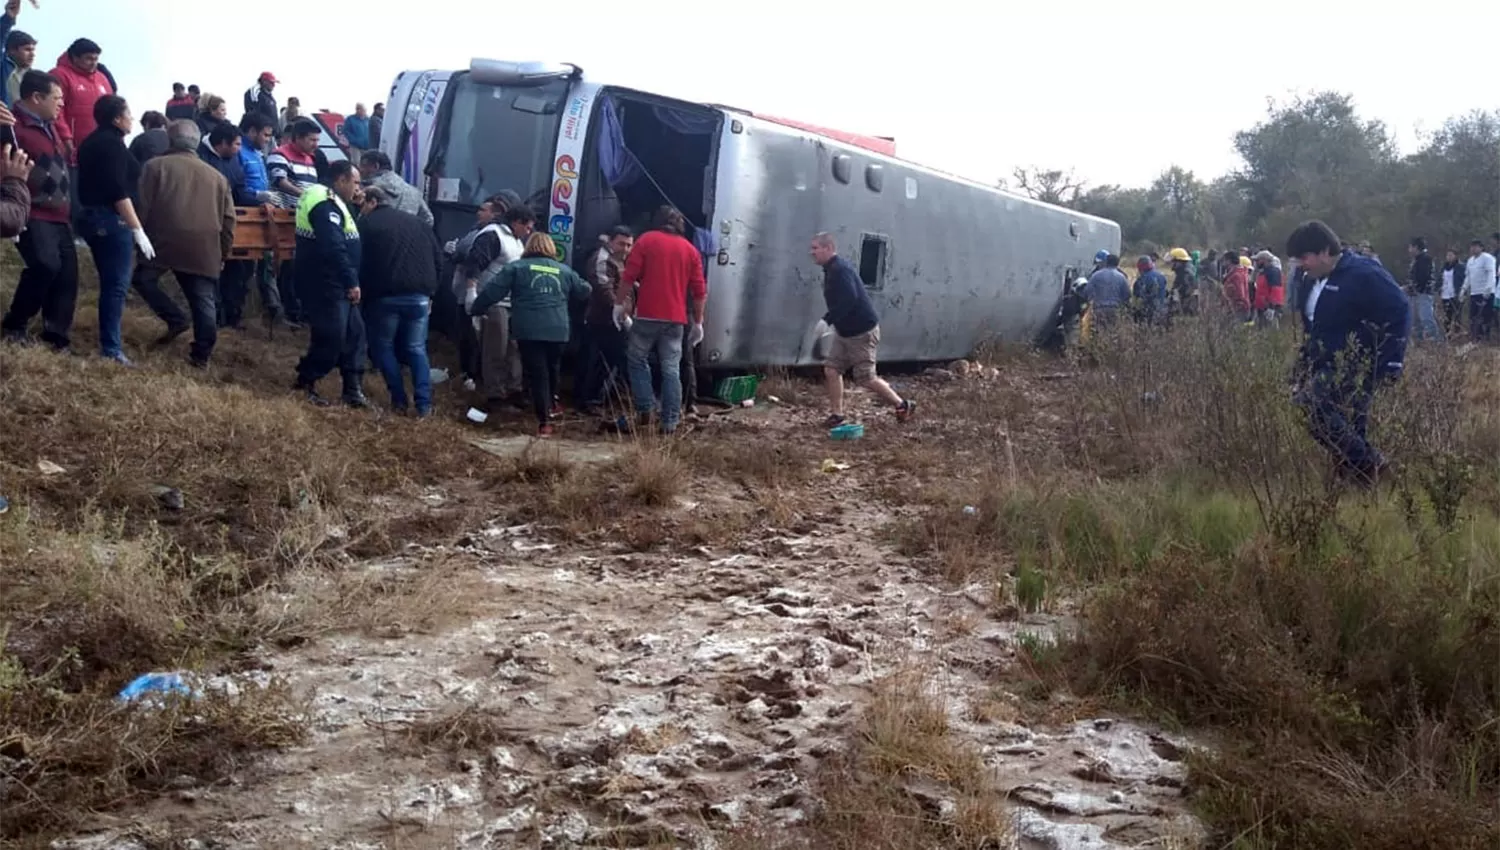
[[258, 230]]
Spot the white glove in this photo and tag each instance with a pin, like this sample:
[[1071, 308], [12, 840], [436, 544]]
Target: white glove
[[821, 330], [470, 296], [621, 317], [628, 322], [695, 336], [143, 242], [450, 247]]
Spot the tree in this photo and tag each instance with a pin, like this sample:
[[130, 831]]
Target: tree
[[1053, 187], [1313, 158]]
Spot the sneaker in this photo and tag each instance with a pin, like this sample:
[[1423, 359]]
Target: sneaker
[[121, 360], [198, 362], [424, 412], [557, 409], [356, 400], [835, 420], [4, 504], [543, 431], [906, 410]]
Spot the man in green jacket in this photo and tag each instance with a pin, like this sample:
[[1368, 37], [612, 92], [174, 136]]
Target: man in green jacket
[[539, 289]]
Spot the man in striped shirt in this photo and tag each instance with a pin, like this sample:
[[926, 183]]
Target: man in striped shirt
[[291, 170]]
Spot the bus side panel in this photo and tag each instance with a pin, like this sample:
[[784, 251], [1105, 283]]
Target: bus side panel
[[963, 263], [562, 212]]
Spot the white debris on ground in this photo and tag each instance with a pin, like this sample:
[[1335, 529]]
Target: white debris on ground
[[633, 698], [626, 699]]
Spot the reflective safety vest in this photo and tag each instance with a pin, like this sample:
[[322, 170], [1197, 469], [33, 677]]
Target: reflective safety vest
[[317, 194]]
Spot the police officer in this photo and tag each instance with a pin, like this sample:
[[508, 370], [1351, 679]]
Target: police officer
[[327, 276]]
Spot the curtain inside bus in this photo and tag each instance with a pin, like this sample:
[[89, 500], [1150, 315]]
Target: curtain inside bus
[[686, 144]]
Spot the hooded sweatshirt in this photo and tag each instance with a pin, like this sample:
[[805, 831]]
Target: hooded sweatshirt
[[80, 92]]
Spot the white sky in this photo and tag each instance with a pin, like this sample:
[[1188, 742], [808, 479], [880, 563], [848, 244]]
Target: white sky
[[1114, 91]]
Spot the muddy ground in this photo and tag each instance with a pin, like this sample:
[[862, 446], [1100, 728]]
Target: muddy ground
[[600, 693]]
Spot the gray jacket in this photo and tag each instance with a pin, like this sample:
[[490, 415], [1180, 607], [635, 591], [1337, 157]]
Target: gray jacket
[[405, 196]]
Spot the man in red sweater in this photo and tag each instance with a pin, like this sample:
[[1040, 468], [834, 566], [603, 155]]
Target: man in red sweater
[[663, 270]]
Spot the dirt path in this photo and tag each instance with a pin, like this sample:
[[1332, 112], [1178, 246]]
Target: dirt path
[[602, 697]]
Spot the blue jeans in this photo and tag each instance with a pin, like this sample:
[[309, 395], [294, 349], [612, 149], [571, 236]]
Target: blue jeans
[[665, 338], [1426, 319], [397, 326], [114, 250], [1339, 419]]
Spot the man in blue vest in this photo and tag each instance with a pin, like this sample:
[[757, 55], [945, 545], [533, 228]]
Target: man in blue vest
[[327, 279], [1357, 327]]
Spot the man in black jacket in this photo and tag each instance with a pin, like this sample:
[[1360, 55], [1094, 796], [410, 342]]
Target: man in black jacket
[[398, 274], [856, 334], [1419, 283], [259, 98]]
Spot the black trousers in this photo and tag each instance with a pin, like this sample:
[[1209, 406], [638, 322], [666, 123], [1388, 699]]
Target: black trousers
[[234, 287], [286, 287], [199, 292], [336, 339], [49, 284], [1481, 316], [541, 366]]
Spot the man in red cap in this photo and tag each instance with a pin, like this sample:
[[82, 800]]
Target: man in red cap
[[258, 98]]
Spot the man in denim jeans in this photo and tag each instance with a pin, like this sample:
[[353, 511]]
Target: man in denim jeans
[[398, 275], [663, 270]]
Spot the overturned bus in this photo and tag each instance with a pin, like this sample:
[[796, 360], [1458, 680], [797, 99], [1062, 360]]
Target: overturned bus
[[948, 262]]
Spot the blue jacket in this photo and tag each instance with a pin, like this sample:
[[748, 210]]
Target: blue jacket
[[357, 131], [256, 179], [1360, 304], [233, 172], [850, 311], [1107, 289], [1151, 292]]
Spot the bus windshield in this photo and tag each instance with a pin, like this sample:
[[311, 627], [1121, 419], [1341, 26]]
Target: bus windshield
[[499, 137]]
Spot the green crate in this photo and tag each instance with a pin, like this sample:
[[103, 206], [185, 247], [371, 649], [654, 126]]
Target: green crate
[[737, 389]]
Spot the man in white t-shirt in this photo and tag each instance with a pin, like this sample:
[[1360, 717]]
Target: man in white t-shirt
[[1479, 273]]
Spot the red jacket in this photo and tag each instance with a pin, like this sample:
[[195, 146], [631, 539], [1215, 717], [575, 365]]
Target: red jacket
[[49, 173], [80, 92], [1269, 289], [1237, 289], [668, 269]]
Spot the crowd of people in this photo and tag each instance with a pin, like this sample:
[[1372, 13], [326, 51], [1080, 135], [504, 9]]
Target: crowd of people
[[1343, 296], [1251, 286], [367, 265]]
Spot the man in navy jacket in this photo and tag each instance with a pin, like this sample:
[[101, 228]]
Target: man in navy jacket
[[856, 334], [1357, 326]]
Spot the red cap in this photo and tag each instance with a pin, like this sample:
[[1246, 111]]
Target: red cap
[[268, 77]]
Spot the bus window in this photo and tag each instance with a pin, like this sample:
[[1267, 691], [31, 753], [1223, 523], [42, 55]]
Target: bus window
[[872, 256], [500, 138]]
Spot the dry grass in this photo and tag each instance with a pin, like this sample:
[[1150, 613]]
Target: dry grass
[[905, 783], [1342, 645], [101, 580]]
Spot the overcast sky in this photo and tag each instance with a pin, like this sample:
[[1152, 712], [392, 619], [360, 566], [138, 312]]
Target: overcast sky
[[1114, 91]]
